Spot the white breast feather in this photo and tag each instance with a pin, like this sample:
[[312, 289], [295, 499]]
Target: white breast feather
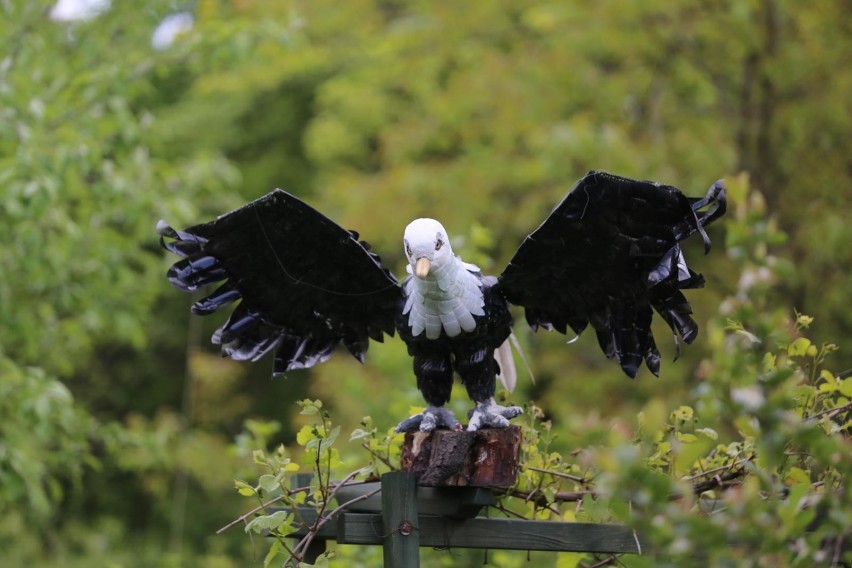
[[449, 302], [465, 318], [450, 324]]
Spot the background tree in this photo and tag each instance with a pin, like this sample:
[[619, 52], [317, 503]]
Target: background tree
[[481, 114]]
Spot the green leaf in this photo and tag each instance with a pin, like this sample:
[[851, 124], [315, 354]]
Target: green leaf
[[828, 377], [687, 455], [275, 550], [269, 483], [803, 321], [749, 335], [569, 559], [683, 414], [310, 407], [358, 434], [708, 432], [798, 475], [269, 522], [305, 435], [799, 347], [244, 488], [321, 561], [330, 439], [790, 510]]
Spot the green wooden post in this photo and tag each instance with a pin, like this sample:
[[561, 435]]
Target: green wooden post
[[317, 546], [510, 534], [400, 528]]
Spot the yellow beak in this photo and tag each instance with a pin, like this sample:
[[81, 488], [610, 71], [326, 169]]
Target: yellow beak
[[421, 269]]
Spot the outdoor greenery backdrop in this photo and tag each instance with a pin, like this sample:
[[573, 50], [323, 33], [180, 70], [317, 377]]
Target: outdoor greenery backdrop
[[121, 430]]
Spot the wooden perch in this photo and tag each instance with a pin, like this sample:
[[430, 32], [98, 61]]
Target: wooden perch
[[447, 458]]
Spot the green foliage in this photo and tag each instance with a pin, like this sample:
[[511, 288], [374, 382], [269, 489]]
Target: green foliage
[[45, 441], [384, 448], [278, 486], [754, 472], [80, 277], [114, 436], [760, 490], [76, 153]]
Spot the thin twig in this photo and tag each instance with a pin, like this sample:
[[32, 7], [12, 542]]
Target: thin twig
[[509, 513], [242, 518], [717, 469], [540, 499], [609, 560], [293, 491], [321, 521], [582, 480], [830, 412], [336, 484], [723, 480], [345, 482], [383, 459], [562, 496], [838, 550], [327, 498]]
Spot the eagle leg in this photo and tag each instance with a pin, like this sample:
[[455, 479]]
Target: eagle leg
[[489, 414], [431, 418]]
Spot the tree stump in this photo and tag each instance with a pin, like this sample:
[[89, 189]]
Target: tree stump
[[447, 458]]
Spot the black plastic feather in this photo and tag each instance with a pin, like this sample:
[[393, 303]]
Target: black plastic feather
[[606, 255], [306, 283]]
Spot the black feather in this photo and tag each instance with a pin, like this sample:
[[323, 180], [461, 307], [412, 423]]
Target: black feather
[[607, 254], [300, 276], [607, 257], [224, 295]]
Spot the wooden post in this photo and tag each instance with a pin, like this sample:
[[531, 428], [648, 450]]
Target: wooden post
[[317, 546], [400, 530], [506, 534], [447, 458]]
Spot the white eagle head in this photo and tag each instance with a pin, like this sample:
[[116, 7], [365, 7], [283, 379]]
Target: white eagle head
[[427, 247]]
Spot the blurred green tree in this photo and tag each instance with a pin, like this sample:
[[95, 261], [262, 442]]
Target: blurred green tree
[[479, 113]]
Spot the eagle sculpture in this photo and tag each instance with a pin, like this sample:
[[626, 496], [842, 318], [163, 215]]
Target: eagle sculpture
[[607, 255]]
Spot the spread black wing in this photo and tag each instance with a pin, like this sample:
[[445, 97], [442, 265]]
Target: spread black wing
[[606, 255], [306, 283]]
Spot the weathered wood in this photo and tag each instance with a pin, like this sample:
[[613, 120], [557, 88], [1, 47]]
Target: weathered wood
[[456, 502], [485, 458], [363, 528], [400, 531]]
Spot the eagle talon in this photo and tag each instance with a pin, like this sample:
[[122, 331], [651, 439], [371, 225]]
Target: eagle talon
[[431, 418], [489, 414]]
